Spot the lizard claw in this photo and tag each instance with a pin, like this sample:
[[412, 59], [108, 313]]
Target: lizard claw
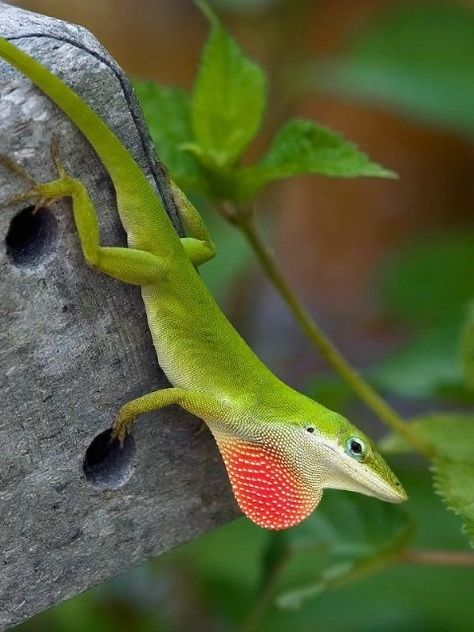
[[119, 433]]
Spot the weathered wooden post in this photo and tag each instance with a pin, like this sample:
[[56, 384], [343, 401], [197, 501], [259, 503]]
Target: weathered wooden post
[[74, 345]]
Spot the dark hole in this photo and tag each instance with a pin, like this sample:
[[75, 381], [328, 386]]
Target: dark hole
[[31, 236], [310, 429], [107, 465], [356, 447]]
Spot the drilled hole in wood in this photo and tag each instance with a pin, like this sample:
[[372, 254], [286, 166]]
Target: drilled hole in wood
[[107, 465], [31, 236]]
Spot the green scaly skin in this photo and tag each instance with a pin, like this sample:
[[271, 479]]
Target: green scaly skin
[[281, 449]]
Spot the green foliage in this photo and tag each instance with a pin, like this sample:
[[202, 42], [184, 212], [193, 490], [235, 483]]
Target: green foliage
[[331, 391], [427, 288], [202, 138], [247, 6], [450, 434], [426, 284], [467, 347], [233, 257], [302, 147], [417, 59], [427, 367], [452, 437], [168, 114], [454, 481], [228, 100], [348, 537]]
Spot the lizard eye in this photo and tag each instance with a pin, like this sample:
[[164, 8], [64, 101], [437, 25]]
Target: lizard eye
[[355, 448]]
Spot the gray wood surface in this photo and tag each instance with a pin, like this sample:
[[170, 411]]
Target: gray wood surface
[[74, 346]]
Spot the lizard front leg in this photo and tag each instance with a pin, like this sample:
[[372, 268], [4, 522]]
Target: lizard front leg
[[198, 404]]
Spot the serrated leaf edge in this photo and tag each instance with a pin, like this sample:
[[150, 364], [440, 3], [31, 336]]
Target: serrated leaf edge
[[437, 482]]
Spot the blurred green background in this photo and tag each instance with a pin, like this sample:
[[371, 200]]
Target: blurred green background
[[388, 267]]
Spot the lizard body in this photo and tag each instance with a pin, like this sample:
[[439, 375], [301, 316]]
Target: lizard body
[[281, 448]]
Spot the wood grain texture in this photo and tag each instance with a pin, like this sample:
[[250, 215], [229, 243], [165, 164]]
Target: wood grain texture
[[74, 346]]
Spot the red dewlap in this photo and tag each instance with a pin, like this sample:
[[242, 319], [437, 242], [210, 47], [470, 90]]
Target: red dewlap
[[267, 490]]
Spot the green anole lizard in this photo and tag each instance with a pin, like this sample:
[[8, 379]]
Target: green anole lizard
[[281, 449]]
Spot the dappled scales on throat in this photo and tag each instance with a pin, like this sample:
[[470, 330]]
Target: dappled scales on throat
[[267, 489]]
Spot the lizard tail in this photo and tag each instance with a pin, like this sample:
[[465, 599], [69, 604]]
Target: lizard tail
[[129, 181], [109, 148]]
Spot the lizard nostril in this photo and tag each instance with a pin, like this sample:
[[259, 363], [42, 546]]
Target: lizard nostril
[[106, 465], [30, 236]]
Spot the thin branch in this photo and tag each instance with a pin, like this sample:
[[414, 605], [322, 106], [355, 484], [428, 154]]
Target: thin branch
[[264, 601], [438, 558]]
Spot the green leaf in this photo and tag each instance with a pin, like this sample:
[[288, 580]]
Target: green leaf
[[302, 147], [228, 100], [349, 536], [429, 282], [467, 347], [168, 114], [454, 482], [452, 437], [450, 434], [427, 285], [416, 59], [426, 368], [233, 258]]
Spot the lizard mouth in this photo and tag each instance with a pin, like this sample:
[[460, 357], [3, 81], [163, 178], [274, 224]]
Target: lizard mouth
[[358, 477], [387, 487]]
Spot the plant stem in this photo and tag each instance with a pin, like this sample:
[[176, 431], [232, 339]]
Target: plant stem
[[372, 399], [438, 558], [264, 602]]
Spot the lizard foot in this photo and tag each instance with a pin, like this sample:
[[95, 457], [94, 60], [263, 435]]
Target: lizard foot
[[120, 430]]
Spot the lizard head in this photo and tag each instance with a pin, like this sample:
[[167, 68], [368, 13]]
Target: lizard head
[[279, 467]]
